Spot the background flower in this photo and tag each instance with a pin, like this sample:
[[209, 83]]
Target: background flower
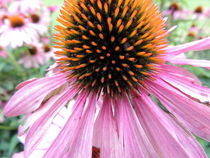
[[35, 55]]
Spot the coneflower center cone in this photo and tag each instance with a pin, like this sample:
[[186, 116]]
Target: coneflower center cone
[[47, 48], [174, 7], [35, 18], [110, 45], [16, 21], [32, 50], [199, 10]]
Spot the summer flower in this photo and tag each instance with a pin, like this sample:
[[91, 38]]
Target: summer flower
[[24, 6], [40, 20], [176, 11], [35, 55], [113, 60], [16, 31]]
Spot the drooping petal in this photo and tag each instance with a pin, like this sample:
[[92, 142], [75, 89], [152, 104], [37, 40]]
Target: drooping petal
[[29, 98], [167, 137], [76, 136], [198, 45], [33, 117], [133, 140], [198, 92], [105, 132], [22, 84], [37, 132], [195, 116], [193, 62], [51, 133]]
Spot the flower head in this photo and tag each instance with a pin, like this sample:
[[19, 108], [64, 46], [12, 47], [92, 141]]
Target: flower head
[[40, 20], [23, 23], [16, 30], [199, 10], [112, 57], [36, 55], [177, 12], [110, 46]]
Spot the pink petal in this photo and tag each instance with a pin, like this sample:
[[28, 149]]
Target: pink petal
[[180, 72], [18, 155], [167, 137], [33, 117], [189, 88], [193, 62], [75, 139], [198, 45], [37, 132], [105, 132], [24, 83], [29, 98], [51, 133], [133, 140], [194, 116]]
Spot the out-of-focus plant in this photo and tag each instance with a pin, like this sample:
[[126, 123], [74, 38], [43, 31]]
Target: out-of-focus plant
[[24, 28], [25, 52]]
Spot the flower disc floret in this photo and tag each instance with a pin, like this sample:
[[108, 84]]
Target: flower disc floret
[[16, 21], [110, 46]]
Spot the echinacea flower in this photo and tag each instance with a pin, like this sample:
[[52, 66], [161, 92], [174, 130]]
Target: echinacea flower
[[25, 6], [40, 21], [193, 31], [36, 55], [176, 12], [199, 10], [113, 61], [48, 48], [16, 31]]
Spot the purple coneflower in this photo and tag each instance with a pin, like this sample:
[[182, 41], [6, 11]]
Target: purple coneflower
[[16, 30], [199, 10], [40, 20], [193, 31], [36, 55], [176, 12], [113, 61], [24, 6]]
